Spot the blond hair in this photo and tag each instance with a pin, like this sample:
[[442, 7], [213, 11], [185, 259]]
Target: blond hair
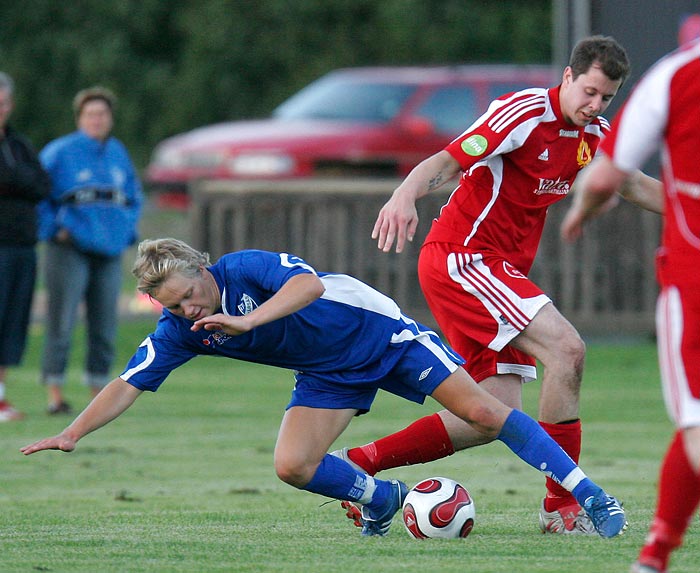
[[158, 259]]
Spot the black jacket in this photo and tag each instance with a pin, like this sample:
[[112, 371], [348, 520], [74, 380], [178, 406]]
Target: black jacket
[[23, 183]]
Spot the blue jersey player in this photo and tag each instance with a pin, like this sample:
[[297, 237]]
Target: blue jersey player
[[344, 340]]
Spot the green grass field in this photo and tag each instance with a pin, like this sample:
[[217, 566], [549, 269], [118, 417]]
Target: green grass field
[[183, 481]]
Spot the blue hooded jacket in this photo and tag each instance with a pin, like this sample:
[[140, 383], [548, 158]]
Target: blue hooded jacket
[[95, 194]]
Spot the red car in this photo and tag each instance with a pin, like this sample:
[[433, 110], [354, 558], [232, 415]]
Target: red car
[[378, 121]]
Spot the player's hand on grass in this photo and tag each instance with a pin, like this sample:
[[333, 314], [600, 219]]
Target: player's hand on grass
[[60, 442]]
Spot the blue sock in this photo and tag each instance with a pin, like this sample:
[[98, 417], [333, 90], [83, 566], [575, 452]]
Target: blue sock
[[338, 479], [533, 445]]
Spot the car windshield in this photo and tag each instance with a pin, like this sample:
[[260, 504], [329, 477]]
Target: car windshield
[[450, 108], [346, 99], [502, 88]]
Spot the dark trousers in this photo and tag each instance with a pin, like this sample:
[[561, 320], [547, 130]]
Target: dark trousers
[[17, 278]]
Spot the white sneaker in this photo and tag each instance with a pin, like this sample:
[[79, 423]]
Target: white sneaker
[[567, 520], [8, 413]]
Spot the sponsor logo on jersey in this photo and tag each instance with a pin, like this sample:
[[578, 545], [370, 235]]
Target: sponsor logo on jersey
[[247, 304], [475, 145], [218, 337], [544, 156], [573, 133], [584, 155], [511, 271], [553, 187]]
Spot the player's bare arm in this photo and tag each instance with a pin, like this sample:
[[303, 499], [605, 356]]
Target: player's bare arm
[[398, 219], [594, 190], [109, 404], [644, 191], [295, 294]]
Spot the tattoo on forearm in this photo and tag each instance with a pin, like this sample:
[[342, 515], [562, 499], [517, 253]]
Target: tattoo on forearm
[[435, 182]]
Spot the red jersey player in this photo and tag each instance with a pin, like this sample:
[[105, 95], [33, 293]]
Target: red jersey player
[[522, 155], [662, 111]]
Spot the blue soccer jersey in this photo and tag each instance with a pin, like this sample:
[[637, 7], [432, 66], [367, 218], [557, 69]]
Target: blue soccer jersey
[[352, 333]]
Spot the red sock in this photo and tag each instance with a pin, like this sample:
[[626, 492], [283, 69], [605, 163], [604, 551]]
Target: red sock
[[423, 441], [679, 496], [568, 436]]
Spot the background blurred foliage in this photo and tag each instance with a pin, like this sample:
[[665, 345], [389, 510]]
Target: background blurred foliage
[[178, 64]]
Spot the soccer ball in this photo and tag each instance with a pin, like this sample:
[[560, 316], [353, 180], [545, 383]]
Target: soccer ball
[[438, 507]]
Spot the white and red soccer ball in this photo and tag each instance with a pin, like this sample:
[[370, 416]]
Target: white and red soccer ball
[[438, 507]]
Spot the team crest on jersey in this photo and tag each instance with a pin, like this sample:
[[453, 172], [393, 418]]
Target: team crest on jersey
[[247, 304], [218, 337], [583, 156], [475, 145]]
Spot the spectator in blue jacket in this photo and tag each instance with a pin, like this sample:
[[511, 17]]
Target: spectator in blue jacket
[[89, 220]]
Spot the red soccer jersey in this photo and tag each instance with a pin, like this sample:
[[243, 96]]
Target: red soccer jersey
[[663, 110], [517, 159]]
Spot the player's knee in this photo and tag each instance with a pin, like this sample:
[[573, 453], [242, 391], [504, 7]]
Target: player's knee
[[572, 351], [577, 352], [293, 471], [484, 420]]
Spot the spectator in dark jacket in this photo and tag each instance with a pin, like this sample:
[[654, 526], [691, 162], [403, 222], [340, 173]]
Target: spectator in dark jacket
[[23, 183]]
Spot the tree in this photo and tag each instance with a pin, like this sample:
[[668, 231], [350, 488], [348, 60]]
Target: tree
[[176, 65]]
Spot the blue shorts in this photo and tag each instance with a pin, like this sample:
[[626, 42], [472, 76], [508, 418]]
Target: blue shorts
[[418, 367]]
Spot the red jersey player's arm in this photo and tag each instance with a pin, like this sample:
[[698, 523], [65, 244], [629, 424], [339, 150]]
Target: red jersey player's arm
[[595, 192], [398, 218], [644, 191]]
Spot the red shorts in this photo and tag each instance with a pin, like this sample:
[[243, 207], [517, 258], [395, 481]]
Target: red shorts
[[678, 330], [481, 302]]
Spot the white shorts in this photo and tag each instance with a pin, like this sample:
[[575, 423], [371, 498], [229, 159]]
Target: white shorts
[[678, 334]]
